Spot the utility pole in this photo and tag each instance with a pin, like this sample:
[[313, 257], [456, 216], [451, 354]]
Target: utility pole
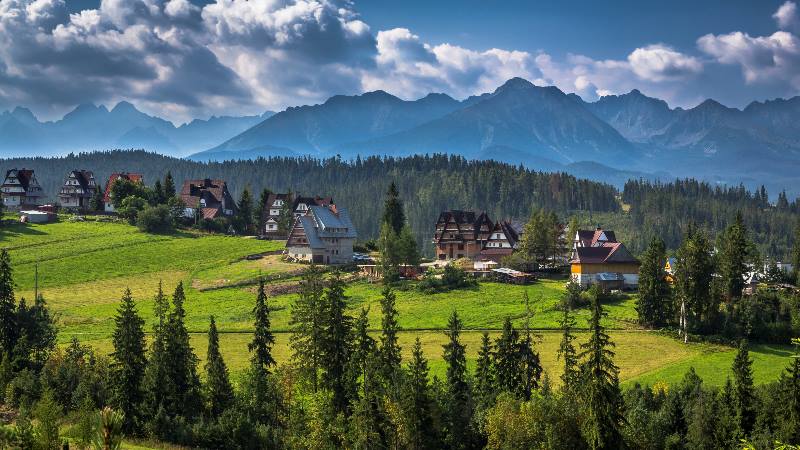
[[36, 282]]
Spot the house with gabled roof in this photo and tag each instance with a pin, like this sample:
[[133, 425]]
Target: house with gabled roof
[[108, 201], [503, 241], [325, 235], [597, 258], [20, 188], [271, 214], [461, 234], [78, 190], [302, 205], [208, 198]]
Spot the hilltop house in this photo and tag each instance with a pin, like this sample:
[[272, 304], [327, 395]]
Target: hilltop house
[[270, 216], [78, 190], [108, 201], [503, 241], [209, 198], [461, 234], [302, 205], [20, 188], [598, 258], [324, 235]]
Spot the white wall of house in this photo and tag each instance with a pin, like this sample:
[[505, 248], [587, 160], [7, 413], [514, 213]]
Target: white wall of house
[[109, 207]]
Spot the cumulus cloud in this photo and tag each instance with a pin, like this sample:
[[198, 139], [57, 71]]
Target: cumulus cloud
[[409, 67], [659, 62], [786, 16]]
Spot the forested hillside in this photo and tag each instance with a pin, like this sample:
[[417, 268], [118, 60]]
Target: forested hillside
[[430, 184]]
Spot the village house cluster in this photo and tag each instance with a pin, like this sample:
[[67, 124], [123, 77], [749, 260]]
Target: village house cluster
[[594, 256], [316, 229]]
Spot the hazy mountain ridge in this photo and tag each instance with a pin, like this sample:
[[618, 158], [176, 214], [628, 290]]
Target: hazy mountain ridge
[[92, 127]]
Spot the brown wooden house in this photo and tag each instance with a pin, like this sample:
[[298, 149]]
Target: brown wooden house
[[461, 234]]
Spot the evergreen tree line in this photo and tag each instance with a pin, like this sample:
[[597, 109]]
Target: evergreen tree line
[[667, 209], [705, 294], [348, 387]]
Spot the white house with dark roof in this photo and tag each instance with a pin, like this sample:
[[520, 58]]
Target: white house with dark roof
[[325, 235], [20, 188]]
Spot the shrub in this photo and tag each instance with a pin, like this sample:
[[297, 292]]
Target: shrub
[[452, 278], [156, 219], [130, 208]]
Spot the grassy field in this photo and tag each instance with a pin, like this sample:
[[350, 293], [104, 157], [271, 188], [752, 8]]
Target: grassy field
[[84, 268]]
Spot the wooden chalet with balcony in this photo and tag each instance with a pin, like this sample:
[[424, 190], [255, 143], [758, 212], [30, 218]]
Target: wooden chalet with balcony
[[461, 234]]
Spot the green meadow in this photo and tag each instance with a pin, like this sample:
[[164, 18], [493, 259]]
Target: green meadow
[[84, 268]]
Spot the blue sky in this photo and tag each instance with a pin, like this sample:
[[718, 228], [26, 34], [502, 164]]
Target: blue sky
[[184, 60]]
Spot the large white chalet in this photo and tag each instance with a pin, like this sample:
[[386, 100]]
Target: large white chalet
[[20, 188], [325, 235]]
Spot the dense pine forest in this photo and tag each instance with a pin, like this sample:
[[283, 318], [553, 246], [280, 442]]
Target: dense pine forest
[[438, 182]]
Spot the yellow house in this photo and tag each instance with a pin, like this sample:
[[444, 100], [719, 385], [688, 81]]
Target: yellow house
[[669, 268], [609, 265]]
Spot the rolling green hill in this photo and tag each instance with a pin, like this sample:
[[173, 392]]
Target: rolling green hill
[[84, 268]]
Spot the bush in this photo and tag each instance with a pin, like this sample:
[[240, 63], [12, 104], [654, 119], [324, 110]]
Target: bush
[[156, 219], [452, 278], [130, 208]]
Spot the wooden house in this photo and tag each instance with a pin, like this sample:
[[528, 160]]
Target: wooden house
[[461, 234], [271, 214], [78, 190], [597, 258], [208, 198], [325, 235], [503, 241], [108, 201], [20, 188], [302, 205]]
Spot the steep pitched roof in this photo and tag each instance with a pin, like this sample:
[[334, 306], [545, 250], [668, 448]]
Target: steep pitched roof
[[212, 191], [316, 200], [614, 252], [135, 177], [82, 177], [333, 222], [24, 176], [591, 238]]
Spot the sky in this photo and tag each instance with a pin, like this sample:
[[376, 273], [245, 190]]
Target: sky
[[184, 59]]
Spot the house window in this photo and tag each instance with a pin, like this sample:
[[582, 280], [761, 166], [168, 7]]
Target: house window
[[461, 246]]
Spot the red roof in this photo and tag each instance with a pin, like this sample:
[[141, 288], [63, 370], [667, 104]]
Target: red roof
[[135, 177]]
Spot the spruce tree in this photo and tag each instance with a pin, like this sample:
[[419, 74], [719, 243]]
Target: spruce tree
[[96, 203], [9, 332], [484, 373], [48, 413], [261, 208], [263, 340], [693, 280], [218, 386], [336, 345], [129, 361], [419, 403], [393, 213], [390, 349], [307, 321], [245, 211], [367, 418], [158, 193], [169, 186], [796, 253], [570, 378], [735, 252], [744, 392], [157, 384], [654, 303], [790, 393], [458, 408], [507, 364], [181, 361], [529, 358], [600, 393]]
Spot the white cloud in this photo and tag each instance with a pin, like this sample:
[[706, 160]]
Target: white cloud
[[659, 63], [762, 58], [786, 16], [408, 67]]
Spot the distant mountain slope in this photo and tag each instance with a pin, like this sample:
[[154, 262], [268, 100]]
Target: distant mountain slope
[[318, 129], [92, 127], [541, 122]]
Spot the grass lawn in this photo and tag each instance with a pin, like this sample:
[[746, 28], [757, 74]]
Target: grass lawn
[[84, 268]]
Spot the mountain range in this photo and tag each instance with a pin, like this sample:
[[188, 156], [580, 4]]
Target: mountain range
[[91, 127], [612, 139]]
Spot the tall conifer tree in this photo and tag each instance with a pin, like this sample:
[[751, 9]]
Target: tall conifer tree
[[744, 392], [169, 185], [263, 340], [129, 361], [458, 414], [307, 322], [390, 349], [218, 386], [336, 349], [735, 252], [654, 303], [567, 353], [181, 361], [393, 213], [8, 316], [602, 426]]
